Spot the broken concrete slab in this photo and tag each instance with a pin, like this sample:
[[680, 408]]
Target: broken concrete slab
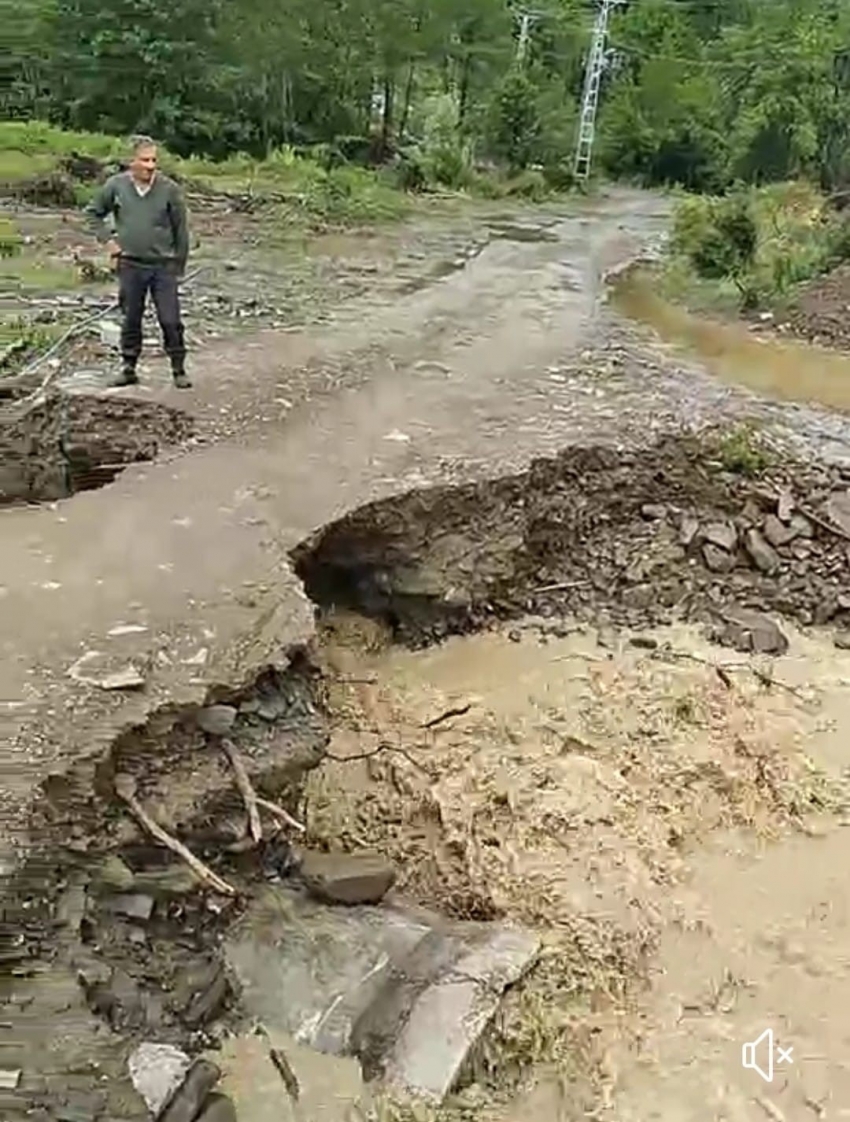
[[408, 994], [347, 878], [269, 1077], [450, 1015], [310, 970]]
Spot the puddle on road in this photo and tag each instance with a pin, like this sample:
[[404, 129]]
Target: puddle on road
[[773, 367]]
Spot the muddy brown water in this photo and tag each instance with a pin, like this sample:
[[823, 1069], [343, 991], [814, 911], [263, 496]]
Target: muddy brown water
[[765, 363], [583, 784]]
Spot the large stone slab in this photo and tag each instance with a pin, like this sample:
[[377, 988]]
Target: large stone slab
[[407, 994], [449, 1016], [311, 970]]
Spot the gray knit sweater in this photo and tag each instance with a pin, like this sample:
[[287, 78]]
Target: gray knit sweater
[[150, 228]]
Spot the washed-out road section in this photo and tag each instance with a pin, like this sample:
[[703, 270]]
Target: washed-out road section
[[180, 569]]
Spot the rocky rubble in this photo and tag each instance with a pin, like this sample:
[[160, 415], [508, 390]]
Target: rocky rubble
[[624, 539]]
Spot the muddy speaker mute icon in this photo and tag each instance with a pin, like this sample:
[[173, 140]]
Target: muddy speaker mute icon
[[762, 1055]]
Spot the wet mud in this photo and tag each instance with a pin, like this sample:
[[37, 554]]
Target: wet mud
[[59, 444]]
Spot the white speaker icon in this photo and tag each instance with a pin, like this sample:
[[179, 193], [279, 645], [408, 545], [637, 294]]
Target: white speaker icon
[[773, 1054]]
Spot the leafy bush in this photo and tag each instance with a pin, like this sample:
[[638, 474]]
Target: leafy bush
[[411, 170], [560, 176], [350, 195], [514, 125], [444, 156], [722, 239], [741, 453]]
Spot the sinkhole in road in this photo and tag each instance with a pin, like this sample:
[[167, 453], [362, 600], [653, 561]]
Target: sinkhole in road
[[64, 443]]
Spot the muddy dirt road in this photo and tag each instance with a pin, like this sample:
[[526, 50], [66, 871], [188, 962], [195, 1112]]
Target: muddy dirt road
[[490, 442], [296, 429]]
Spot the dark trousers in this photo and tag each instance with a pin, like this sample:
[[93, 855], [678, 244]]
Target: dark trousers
[[135, 280]]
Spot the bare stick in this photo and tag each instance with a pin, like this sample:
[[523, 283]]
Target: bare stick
[[280, 813], [125, 789], [830, 527], [560, 586], [457, 711], [246, 790], [722, 671]]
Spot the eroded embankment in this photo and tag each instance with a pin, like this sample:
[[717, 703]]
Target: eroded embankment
[[63, 443], [682, 530], [624, 539]]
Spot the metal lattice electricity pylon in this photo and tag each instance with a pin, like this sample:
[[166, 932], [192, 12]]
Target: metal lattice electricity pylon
[[596, 62]]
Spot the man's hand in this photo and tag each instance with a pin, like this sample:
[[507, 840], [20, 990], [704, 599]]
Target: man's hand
[[114, 251]]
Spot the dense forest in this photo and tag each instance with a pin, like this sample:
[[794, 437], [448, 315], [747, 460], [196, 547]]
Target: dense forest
[[698, 92]]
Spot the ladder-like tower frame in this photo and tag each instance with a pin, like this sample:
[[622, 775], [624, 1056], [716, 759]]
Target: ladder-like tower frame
[[596, 63]]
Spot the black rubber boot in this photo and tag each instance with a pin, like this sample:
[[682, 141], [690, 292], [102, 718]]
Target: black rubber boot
[[181, 381], [127, 377]]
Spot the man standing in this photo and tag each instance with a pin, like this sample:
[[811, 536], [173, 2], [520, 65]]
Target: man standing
[[148, 249]]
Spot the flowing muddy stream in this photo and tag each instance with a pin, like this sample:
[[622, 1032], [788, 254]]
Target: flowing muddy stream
[[671, 827], [776, 368]]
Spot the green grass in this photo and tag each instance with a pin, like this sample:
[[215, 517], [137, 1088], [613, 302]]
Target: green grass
[[308, 193], [345, 196], [42, 275], [741, 452]]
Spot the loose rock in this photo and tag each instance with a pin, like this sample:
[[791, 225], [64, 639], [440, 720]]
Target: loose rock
[[688, 531], [133, 906], [644, 642], [188, 1101], [776, 532], [838, 510], [112, 875], [717, 560], [802, 527], [752, 632], [216, 720], [762, 555], [203, 995], [842, 640], [722, 534], [785, 506], [347, 878], [157, 1070]]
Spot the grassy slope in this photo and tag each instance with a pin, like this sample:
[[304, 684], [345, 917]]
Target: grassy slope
[[346, 195]]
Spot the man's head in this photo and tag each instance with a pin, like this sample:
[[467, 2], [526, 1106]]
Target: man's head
[[143, 158]]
